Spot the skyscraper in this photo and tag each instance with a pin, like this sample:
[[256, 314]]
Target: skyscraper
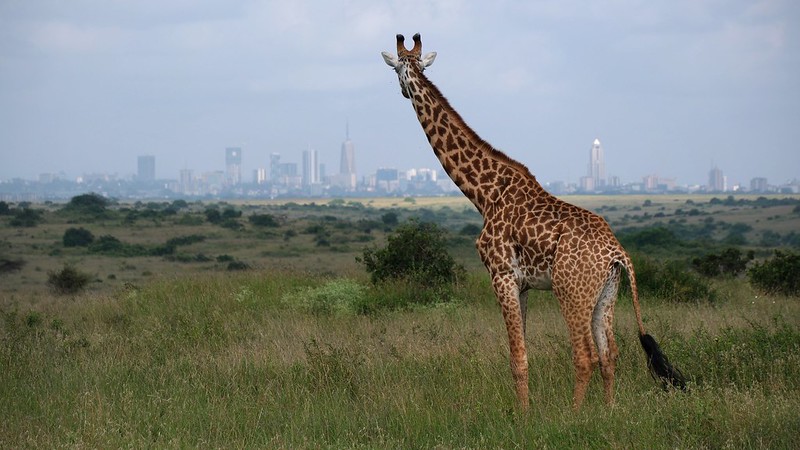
[[348, 162], [347, 166], [597, 165], [146, 172], [310, 167], [233, 166], [716, 180]]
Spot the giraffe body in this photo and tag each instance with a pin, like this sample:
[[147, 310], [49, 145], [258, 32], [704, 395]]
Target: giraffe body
[[530, 239]]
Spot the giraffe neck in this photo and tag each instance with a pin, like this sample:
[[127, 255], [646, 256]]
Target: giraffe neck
[[480, 171]]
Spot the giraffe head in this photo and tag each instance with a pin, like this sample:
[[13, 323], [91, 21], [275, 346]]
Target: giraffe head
[[406, 59]]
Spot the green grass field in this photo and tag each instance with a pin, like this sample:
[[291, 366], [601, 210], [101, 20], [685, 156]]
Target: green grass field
[[177, 351], [227, 361]]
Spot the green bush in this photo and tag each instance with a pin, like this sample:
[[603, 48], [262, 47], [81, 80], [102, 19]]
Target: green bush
[[68, 280], [729, 262], [415, 251], [26, 218], [470, 229], [778, 275], [263, 220], [77, 237], [89, 206], [669, 281], [213, 215]]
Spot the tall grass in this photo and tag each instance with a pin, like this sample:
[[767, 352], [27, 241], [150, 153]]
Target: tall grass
[[234, 361]]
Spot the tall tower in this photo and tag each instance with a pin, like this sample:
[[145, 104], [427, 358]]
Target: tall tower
[[597, 165], [347, 166], [146, 172], [233, 166], [310, 167], [716, 180]]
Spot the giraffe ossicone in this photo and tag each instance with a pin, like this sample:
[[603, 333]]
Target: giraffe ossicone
[[531, 240]]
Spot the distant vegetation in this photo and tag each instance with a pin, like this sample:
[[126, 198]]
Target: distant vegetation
[[214, 324], [778, 275]]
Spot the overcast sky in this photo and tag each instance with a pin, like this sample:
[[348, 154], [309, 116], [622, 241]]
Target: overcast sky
[[669, 87]]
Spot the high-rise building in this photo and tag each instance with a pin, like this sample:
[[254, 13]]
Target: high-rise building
[[347, 167], [146, 172], [274, 167], [716, 180], [233, 166], [310, 167], [759, 184], [597, 165], [348, 162]]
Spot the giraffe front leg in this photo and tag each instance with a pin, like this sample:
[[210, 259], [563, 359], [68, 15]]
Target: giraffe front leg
[[507, 292]]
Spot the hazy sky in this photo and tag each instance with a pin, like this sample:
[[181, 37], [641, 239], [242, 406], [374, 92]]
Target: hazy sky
[[669, 87]]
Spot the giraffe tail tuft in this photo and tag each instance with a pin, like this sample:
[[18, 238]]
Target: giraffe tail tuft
[[659, 365]]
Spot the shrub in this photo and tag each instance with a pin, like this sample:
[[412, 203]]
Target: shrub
[[111, 246], [89, 205], [213, 215], [185, 240], [779, 275], [416, 251], [11, 265], [231, 213], [729, 262], [389, 219], [77, 237], [5, 210], [649, 237], [470, 229], [237, 265], [669, 281], [26, 218], [263, 220], [68, 280]]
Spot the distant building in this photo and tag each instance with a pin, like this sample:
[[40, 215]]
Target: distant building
[[310, 167], [716, 180], [346, 179], [233, 166], [387, 179], [597, 165], [186, 182], [146, 172], [274, 167], [260, 176], [587, 184], [759, 184]]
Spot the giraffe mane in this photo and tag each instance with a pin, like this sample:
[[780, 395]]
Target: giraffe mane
[[456, 117]]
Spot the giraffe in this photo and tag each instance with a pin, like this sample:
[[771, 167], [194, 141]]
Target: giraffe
[[531, 240]]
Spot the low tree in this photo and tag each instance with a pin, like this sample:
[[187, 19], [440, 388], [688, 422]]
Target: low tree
[[77, 237], [68, 280], [416, 251]]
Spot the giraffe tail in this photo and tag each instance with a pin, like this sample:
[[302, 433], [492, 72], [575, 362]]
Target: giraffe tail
[[657, 361]]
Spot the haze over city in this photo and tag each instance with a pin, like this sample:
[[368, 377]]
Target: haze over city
[[671, 89]]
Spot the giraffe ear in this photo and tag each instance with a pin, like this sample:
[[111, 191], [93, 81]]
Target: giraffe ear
[[390, 59], [427, 60]]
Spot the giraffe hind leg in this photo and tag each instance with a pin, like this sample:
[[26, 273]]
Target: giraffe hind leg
[[603, 333]]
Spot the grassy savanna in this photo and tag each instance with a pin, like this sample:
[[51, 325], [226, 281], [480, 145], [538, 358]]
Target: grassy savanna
[[324, 236], [240, 361], [176, 350]]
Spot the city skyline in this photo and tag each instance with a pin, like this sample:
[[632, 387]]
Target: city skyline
[[668, 88], [310, 171]]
